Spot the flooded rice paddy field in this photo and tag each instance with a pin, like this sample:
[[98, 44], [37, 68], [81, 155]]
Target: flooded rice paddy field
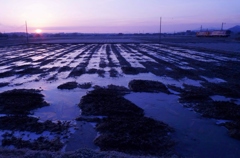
[[199, 102]]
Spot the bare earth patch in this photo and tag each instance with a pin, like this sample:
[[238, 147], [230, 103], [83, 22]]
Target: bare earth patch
[[147, 86], [21, 101], [125, 128]]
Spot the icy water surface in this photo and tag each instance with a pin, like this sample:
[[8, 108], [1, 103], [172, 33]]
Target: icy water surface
[[195, 136], [45, 67]]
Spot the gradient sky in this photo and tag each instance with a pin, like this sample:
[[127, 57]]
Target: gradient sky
[[113, 16]]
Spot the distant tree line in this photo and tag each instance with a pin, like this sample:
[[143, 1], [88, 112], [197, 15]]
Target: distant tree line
[[3, 36]]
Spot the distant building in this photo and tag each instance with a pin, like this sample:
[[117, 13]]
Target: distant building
[[221, 33]]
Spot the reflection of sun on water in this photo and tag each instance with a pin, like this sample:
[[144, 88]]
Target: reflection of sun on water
[[38, 30]]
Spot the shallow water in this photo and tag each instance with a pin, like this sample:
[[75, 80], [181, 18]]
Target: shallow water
[[195, 136], [82, 138], [63, 105]]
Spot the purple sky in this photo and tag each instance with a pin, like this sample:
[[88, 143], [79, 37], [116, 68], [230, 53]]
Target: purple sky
[[113, 16]]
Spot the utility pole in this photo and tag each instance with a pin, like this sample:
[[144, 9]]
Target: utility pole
[[160, 31], [26, 31], [222, 26]]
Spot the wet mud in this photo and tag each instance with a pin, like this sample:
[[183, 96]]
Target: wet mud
[[124, 127]]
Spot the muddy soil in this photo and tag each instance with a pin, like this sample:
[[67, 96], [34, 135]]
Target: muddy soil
[[147, 86], [16, 104], [125, 128], [21, 101]]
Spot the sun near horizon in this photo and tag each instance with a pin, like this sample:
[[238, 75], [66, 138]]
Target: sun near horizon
[[38, 31]]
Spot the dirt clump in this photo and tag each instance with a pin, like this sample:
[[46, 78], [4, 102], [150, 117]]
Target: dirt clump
[[124, 127], [129, 70], [92, 71], [113, 72], [147, 86], [100, 72], [64, 69], [105, 102], [31, 124], [77, 71], [7, 73], [233, 128], [21, 101], [73, 85], [134, 135], [133, 70], [85, 85], [3, 84], [192, 95], [224, 89], [68, 85], [30, 70], [39, 144], [219, 110]]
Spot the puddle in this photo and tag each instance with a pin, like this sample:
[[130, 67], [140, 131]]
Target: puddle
[[82, 138], [63, 105], [195, 136]]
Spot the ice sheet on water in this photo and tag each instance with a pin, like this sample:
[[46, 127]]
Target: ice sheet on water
[[201, 56], [96, 58], [169, 69], [213, 80], [191, 82], [63, 105], [8, 79], [220, 122], [159, 56], [186, 68], [4, 67], [24, 79], [130, 57], [223, 98]]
